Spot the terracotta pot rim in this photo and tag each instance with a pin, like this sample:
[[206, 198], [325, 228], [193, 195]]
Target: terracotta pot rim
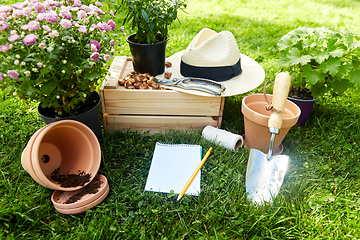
[[28, 150], [35, 151], [263, 119]]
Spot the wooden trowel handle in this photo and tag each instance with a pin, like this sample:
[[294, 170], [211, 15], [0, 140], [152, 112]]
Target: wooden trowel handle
[[280, 94]]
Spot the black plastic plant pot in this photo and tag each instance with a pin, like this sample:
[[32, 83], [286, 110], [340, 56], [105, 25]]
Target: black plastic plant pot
[[148, 58], [90, 118]]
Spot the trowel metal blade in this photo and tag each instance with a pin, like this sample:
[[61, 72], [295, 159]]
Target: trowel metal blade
[[264, 177]]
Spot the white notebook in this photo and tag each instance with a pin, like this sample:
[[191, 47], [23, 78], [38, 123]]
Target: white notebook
[[171, 167]]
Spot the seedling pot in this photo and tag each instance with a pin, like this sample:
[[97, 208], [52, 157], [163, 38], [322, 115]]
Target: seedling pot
[[256, 119], [148, 58], [69, 146], [306, 107]]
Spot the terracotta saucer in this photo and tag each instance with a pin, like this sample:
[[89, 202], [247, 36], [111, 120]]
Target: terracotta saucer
[[85, 207], [278, 151], [84, 202]]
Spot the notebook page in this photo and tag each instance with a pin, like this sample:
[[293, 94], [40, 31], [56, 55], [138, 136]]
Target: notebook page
[[171, 167]]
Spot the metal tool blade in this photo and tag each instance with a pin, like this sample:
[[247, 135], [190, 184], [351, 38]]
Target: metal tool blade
[[264, 176], [199, 84]]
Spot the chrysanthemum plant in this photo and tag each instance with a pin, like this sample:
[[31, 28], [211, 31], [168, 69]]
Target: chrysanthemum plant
[[321, 59], [54, 52]]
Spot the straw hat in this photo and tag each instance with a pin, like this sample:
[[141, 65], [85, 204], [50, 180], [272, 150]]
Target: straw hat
[[216, 56]]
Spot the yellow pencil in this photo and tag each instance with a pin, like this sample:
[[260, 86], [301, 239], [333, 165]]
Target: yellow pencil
[[194, 174]]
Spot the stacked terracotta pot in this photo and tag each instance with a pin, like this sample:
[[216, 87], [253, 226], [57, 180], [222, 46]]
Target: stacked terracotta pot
[[65, 156]]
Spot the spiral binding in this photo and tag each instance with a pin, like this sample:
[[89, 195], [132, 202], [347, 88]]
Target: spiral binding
[[175, 145]]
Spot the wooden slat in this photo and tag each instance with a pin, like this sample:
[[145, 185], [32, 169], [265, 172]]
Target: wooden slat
[[116, 69], [160, 102], [155, 124]]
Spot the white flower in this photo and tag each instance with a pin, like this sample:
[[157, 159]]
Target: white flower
[[27, 73], [63, 71], [85, 95], [22, 64], [57, 96], [64, 61], [16, 62], [17, 56], [13, 32], [35, 70]]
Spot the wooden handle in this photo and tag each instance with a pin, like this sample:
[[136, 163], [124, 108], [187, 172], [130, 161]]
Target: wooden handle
[[280, 94]]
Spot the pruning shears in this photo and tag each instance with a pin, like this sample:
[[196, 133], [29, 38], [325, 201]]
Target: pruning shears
[[200, 84]]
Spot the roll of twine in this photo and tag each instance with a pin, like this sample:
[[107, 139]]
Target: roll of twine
[[222, 137]]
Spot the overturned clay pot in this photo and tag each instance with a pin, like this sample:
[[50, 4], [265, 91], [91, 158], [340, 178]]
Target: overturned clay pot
[[66, 148]]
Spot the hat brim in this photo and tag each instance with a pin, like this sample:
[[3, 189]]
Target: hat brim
[[251, 77]]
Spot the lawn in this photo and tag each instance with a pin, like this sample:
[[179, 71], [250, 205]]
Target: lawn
[[319, 198]]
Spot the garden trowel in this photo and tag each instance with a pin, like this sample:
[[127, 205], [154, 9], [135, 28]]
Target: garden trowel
[[265, 173]]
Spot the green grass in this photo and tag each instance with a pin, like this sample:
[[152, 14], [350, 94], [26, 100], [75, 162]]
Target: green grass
[[318, 200]]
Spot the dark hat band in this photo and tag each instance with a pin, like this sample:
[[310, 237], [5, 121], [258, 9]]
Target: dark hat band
[[213, 73]]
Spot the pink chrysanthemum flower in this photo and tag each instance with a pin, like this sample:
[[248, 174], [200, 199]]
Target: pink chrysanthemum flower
[[30, 39], [4, 48], [65, 13], [96, 43], [112, 24], [107, 57], [51, 16], [98, 4], [65, 23], [33, 25], [39, 8], [46, 28], [3, 25], [81, 14], [82, 29], [41, 16], [13, 38], [13, 74], [112, 43], [95, 56]]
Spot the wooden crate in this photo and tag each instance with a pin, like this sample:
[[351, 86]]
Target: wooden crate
[[154, 110]]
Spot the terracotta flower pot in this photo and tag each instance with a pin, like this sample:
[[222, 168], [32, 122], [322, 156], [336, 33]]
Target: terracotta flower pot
[[256, 119], [68, 146]]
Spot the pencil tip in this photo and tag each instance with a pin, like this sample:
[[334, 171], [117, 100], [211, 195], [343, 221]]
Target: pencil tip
[[179, 197]]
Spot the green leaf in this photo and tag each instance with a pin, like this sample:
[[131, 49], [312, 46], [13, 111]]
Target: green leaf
[[320, 57], [145, 15], [355, 77], [296, 58], [337, 53], [332, 66], [312, 76], [345, 69], [284, 42], [340, 86], [48, 87]]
